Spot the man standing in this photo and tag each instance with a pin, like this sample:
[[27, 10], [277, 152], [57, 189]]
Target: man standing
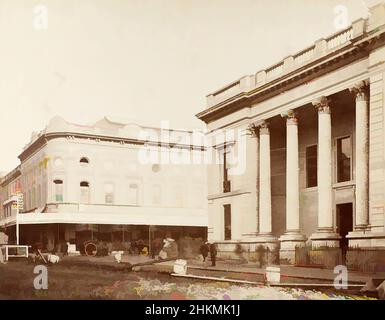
[[204, 249], [3, 241], [213, 254]]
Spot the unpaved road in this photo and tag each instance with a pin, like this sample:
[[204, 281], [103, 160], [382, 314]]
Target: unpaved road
[[76, 282]]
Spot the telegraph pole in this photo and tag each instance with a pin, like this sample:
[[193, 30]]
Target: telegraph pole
[[19, 204], [17, 226]]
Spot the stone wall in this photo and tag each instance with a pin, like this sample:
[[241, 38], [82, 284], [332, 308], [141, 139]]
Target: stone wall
[[367, 260]]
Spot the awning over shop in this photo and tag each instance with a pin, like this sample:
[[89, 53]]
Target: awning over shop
[[133, 216]]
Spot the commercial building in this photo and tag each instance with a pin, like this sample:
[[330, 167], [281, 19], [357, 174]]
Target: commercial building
[[111, 181]]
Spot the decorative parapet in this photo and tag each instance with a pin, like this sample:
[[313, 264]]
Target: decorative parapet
[[304, 56], [377, 17], [242, 85], [226, 92], [274, 71], [9, 177], [339, 38], [320, 49]]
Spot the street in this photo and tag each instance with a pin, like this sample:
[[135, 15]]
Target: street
[[67, 282]]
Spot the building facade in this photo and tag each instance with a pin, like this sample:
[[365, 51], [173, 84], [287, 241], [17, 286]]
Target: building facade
[[313, 130], [110, 181]]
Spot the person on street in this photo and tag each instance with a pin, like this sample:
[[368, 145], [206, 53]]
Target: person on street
[[213, 254], [3, 241], [204, 249]]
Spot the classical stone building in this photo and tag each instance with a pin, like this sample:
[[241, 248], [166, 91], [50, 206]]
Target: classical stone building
[[109, 181], [313, 126]]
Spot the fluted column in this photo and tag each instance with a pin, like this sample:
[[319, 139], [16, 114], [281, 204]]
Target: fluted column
[[292, 174], [324, 175], [362, 155], [265, 224], [292, 237], [250, 221], [265, 235], [325, 232]]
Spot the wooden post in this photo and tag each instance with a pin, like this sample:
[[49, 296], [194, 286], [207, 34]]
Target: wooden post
[[17, 225]]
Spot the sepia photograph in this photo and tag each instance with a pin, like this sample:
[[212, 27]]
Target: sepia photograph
[[216, 151]]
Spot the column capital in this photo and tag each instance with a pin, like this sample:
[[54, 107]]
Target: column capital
[[290, 116], [264, 128], [253, 130], [360, 90], [257, 128], [322, 104]]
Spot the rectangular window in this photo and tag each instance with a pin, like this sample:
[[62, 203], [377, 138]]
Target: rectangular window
[[84, 192], [156, 195], [344, 159], [29, 199], [39, 195], [178, 196], [133, 194], [33, 197], [109, 190], [311, 166], [226, 181], [227, 221], [24, 200], [58, 190]]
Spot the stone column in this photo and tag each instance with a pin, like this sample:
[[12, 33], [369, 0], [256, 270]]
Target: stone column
[[265, 225], [292, 237], [362, 156], [265, 213], [250, 223], [359, 236], [325, 235]]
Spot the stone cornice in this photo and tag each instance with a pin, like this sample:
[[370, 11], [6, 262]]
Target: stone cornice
[[14, 174], [44, 138], [358, 48]]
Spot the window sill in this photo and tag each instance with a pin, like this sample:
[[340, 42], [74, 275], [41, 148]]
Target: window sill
[[345, 184], [337, 185], [310, 189]]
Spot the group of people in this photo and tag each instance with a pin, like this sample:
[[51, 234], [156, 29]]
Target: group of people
[[3, 241], [207, 247]]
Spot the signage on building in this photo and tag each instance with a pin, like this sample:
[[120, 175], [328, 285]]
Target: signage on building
[[20, 201]]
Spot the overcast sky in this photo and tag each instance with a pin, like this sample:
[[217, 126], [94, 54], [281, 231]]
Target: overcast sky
[[148, 60]]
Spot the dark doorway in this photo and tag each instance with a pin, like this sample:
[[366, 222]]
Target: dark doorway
[[344, 224]]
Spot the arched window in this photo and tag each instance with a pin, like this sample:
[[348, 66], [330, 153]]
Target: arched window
[[109, 193], [155, 168], [58, 190], [38, 196], [33, 205], [58, 162], [84, 161], [156, 194], [178, 195], [84, 192], [29, 199], [133, 193]]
